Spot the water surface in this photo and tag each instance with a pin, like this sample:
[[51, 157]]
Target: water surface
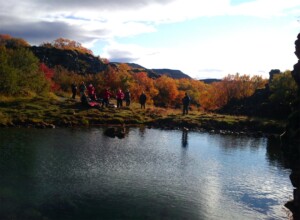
[[150, 174]]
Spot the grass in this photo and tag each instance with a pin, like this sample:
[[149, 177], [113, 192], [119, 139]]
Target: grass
[[53, 111]]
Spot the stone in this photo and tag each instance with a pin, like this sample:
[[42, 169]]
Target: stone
[[295, 178]]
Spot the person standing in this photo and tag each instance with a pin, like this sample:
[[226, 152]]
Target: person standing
[[143, 99], [82, 89], [106, 97], [186, 103], [127, 97], [92, 92], [74, 90], [120, 97]]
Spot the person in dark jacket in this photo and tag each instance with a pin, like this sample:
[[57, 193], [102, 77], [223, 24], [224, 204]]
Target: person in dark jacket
[[74, 90], [186, 103], [82, 89], [143, 99], [127, 97]]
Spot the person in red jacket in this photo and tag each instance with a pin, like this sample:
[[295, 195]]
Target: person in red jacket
[[120, 97], [106, 96], [91, 92]]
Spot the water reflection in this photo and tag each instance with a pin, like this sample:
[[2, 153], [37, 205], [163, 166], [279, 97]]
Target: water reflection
[[184, 139], [275, 154], [234, 142], [142, 130], [149, 174]]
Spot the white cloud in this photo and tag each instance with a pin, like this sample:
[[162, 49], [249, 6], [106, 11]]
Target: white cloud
[[89, 21], [116, 18], [264, 8]]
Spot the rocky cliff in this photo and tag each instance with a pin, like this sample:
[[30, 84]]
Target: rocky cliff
[[72, 60], [291, 140]]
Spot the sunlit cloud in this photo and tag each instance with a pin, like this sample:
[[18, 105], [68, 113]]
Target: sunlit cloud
[[248, 49]]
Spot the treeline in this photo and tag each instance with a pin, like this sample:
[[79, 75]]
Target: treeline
[[163, 91], [21, 73]]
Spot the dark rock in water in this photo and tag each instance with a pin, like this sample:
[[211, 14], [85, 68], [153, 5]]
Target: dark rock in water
[[110, 132], [113, 132]]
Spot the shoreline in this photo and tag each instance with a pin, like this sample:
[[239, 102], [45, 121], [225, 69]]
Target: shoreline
[[43, 112], [185, 127]]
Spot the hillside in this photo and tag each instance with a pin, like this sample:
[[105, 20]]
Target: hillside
[[175, 74], [74, 57], [155, 73], [72, 60], [210, 80], [84, 63]]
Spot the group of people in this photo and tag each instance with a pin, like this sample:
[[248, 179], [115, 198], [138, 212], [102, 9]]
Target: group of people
[[91, 98], [88, 96]]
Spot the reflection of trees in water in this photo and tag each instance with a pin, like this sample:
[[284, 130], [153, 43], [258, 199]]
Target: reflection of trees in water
[[274, 154], [234, 142], [17, 167]]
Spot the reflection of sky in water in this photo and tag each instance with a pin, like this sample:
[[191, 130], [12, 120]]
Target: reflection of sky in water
[[165, 174], [246, 180]]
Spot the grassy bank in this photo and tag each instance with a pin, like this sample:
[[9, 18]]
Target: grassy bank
[[44, 112]]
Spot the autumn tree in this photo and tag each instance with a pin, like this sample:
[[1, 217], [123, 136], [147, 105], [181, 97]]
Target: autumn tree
[[283, 88], [167, 91], [143, 83], [214, 96], [194, 88], [49, 75], [11, 42], [64, 78], [240, 86], [20, 72], [66, 44]]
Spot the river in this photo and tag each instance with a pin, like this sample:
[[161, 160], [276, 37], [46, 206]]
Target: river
[[150, 174]]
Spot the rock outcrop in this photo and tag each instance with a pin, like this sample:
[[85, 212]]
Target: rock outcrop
[[291, 140], [72, 60]]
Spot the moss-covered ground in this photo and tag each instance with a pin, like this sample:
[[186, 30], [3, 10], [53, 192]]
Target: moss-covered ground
[[53, 111]]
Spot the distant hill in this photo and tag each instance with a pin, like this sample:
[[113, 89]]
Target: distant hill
[[135, 66], [175, 74], [209, 81], [155, 73]]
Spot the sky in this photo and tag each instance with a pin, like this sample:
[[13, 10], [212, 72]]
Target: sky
[[203, 39]]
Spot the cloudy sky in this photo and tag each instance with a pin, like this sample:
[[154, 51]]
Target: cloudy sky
[[204, 39]]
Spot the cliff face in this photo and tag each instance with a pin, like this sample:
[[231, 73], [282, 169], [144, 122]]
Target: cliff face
[[296, 71], [291, 138], [72, 60]]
